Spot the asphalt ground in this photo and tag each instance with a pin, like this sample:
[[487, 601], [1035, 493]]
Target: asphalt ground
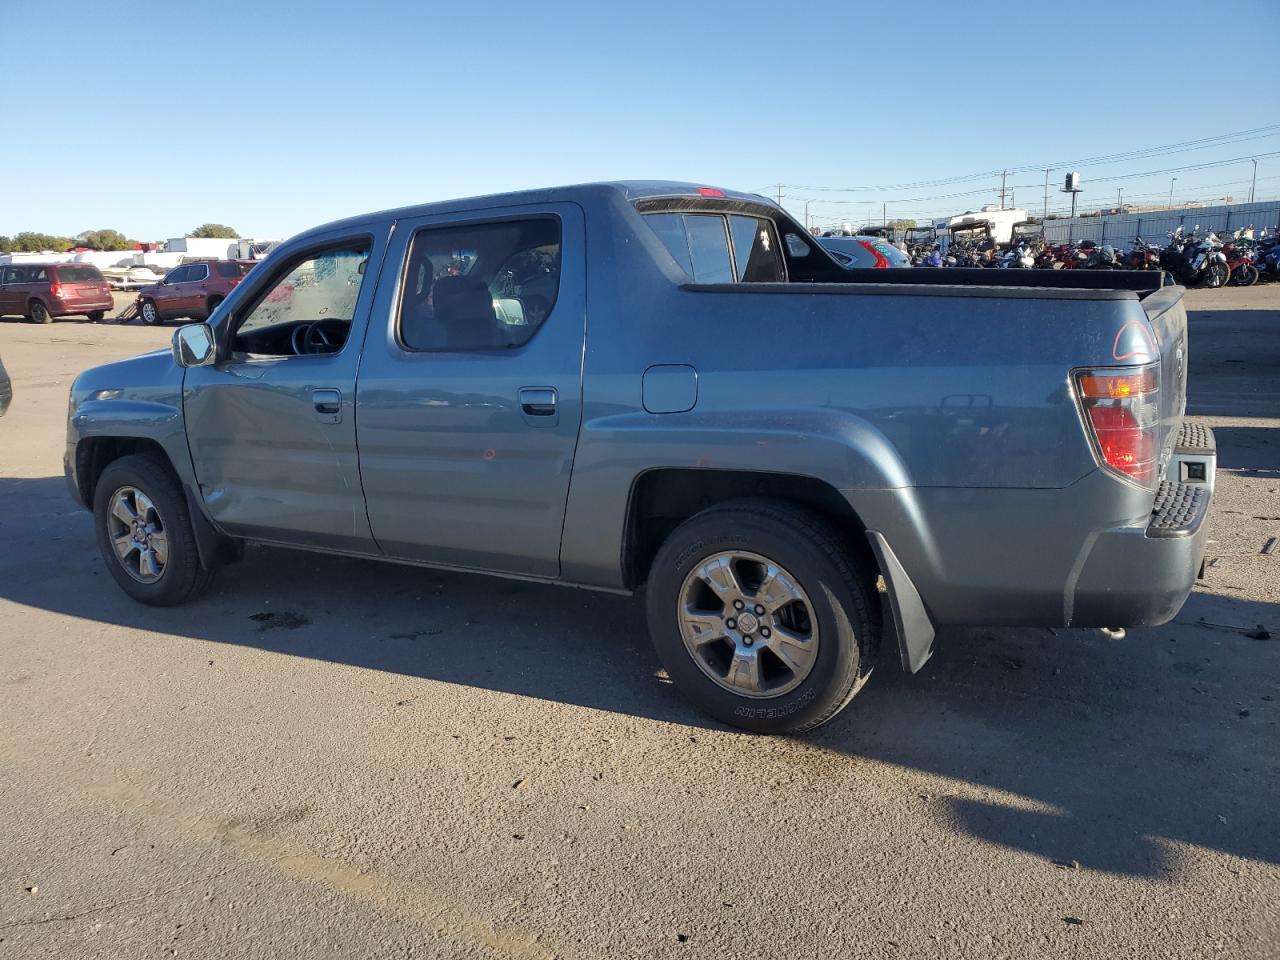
[[331, 758]]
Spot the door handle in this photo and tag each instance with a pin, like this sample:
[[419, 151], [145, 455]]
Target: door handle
[[328, 404], [538, 401]]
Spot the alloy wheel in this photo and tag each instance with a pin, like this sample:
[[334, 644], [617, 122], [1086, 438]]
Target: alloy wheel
[[137, 534], [748, 624]]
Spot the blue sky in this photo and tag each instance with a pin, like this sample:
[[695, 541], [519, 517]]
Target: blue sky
[[273, 117]]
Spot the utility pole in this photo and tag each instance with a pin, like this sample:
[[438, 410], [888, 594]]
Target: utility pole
[[1171, 183], [779, 194], [1253, 185], [884, 214], [1045, 215], [1004, 174], [1119, 202]]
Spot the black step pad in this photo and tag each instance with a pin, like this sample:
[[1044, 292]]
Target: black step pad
[[1195, 438], [1178, 510]]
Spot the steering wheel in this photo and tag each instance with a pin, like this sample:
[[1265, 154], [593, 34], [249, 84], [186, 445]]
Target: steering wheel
[[311, 338]]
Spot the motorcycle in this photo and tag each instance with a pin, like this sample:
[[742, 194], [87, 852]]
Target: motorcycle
[[1240, 254], [1192, 259]]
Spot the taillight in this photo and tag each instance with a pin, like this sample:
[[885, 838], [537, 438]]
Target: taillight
[[710, 192], [55, 291], [1121, 410]]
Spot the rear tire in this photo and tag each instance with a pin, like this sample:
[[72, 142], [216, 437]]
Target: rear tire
[[148, 312], [38, 312], [140, 487], [212, 306], [97, 316], [825, 636]]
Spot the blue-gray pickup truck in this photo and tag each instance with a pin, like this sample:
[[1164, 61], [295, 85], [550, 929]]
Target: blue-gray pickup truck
[[672, 387]]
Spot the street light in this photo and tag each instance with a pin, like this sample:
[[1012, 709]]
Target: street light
[[1171, 183]]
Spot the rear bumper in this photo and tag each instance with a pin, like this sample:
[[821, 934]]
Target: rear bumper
[[1141, 576], [88, 305]]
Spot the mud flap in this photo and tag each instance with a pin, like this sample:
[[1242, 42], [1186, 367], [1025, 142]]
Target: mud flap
[[911, 621]]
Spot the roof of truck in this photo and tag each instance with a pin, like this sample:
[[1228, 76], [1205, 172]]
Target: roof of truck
[[628, 189]]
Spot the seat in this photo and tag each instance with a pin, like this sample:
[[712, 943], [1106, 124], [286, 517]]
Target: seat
[[464, 312]]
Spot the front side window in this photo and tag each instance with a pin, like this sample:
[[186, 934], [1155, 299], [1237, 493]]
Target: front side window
[[485, 286], [176, 275], [11, 275], [309, 310]]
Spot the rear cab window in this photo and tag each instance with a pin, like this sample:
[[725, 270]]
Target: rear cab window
[[720, 247]]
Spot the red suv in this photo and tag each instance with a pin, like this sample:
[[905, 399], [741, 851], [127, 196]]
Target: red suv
[[192, 290], [42, 291]]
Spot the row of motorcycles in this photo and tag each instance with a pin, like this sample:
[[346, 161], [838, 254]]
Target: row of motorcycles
[[1192, 259]]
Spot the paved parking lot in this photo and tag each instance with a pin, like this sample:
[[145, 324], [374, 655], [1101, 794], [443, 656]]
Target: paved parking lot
[[325, 757]]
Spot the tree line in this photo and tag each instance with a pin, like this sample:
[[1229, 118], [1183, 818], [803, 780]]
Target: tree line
[[32, 242]]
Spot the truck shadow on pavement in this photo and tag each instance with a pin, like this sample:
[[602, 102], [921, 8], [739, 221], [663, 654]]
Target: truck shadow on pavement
[[1065, 744]]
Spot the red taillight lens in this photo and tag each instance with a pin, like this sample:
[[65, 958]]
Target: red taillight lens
[[55, 290], [1122, 411]]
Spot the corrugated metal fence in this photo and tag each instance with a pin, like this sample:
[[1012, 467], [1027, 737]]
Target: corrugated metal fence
[[1120, 230]]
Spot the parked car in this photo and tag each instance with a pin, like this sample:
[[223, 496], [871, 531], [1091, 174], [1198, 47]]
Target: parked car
[[6, 389], [192, 290], [42, 291], [132, 277], [865, 252], [732, 419]]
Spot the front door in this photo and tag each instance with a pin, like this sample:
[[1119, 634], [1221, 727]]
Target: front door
[[470, 396], [10, 278], [272, 427]]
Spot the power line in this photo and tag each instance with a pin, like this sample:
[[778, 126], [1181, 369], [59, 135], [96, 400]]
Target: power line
[[1225, 139]]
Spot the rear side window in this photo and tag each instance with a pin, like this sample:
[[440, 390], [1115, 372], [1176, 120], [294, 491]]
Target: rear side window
[[229, 268], [197, 271], [700, 243], [78, 273], [755, 250], [37, 274], [483, 286]]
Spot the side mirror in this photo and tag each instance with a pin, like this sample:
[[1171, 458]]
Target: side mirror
[[193, 345]]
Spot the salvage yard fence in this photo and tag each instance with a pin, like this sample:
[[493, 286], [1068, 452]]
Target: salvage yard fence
[[1120, 230]]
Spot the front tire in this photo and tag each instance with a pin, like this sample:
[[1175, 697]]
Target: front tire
[[762, 616], [1245, 275], [144, 532], [1216, 274]]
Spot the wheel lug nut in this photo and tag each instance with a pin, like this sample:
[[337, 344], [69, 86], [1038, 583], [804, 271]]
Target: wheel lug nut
[[759, 609], [737, 604], [748, 641], [765, 633], [731, 623]]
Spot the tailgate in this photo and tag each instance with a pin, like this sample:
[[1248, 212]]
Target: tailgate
[[1168, 317]]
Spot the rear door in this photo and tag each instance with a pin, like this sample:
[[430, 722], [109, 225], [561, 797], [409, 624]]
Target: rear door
[[470, 390]]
